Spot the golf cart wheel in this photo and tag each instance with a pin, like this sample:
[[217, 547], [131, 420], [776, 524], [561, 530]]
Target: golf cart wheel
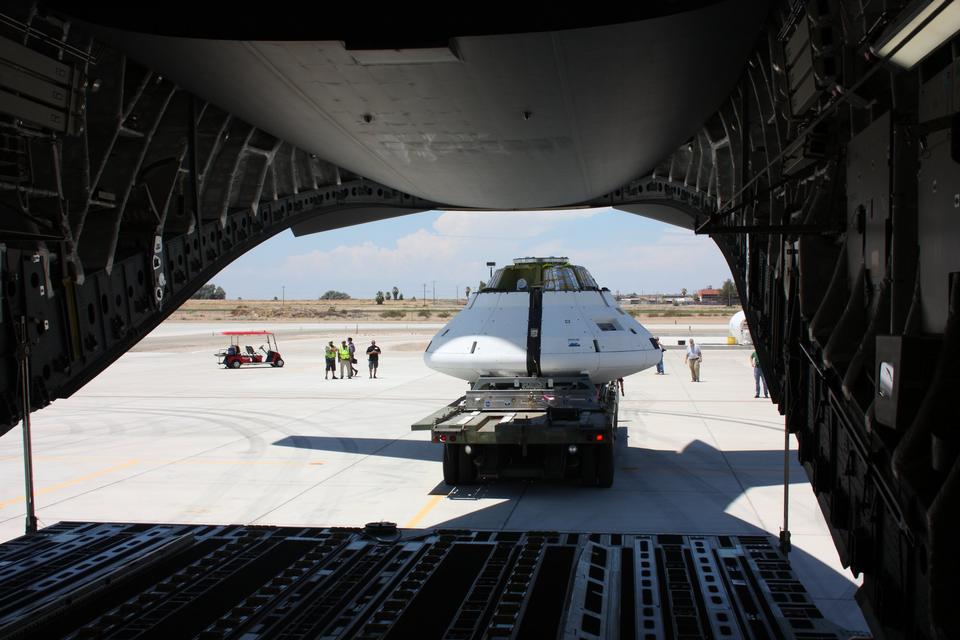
[[278, 362], [451, 466], [235, 364], [605, 465]]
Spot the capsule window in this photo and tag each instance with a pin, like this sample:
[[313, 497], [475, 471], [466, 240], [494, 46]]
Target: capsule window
[[560, 279], [608, 325], [585, 279], [473, 347]]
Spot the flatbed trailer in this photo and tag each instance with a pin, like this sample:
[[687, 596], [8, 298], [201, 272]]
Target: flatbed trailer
[[528, 427]]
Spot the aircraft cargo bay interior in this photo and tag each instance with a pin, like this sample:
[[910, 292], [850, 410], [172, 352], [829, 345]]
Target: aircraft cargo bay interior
[[521, 468]]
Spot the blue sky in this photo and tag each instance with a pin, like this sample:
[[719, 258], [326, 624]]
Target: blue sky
[[624, 252]]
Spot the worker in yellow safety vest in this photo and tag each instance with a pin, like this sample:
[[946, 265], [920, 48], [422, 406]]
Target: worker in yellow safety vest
[[346, 367], [330, 355]]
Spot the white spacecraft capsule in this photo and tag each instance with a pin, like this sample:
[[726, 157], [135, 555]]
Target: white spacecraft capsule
[[739, 328], [542, 317]]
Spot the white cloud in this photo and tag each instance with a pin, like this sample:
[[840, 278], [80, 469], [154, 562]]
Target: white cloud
[[453, 251], [411, 249], [505, 224], [678, 259]]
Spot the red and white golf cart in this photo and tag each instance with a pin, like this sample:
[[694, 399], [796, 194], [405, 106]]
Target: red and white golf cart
[[237, 354]]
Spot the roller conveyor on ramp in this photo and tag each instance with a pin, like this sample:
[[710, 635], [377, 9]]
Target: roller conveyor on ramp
[[113, 580]]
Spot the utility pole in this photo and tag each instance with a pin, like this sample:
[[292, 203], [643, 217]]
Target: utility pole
[[283, 295], [424, 298], [434, 293]]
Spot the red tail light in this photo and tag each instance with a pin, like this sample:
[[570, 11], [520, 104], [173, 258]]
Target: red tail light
[[599, 437]]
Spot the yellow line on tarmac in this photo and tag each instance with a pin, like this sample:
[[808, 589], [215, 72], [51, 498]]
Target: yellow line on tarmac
[[431, 503], [69, 483]]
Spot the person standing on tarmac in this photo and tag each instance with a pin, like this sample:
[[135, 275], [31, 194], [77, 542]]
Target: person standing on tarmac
[[373, 358], [330, 355], [343, 353], [758, 376], [353, 356], [692, 357]]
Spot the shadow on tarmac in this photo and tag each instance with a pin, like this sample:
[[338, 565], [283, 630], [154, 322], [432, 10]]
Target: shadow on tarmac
[[659, 481], [757, 467]]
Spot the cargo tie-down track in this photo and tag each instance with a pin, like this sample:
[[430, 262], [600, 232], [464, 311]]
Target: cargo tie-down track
[[164, 581]]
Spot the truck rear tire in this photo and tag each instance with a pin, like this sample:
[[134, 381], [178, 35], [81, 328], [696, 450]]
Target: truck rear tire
[[588, 466], [605, 466], [235, 364], [467, 472], [451, 464]]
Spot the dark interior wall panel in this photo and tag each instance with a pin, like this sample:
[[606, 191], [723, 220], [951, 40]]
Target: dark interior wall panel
[[33, 275], [135, 271], [937, 95], [92, 335], [177, 270], [868, 200], [103, 304], [118, 304], [939, 228]]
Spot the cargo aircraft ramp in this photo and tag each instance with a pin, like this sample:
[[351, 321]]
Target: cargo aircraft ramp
[[145, 147]]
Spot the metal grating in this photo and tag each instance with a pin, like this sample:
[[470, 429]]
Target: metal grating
[[83, 580]]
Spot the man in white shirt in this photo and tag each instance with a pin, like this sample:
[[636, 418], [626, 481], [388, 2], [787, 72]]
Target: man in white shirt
[[693, 357]]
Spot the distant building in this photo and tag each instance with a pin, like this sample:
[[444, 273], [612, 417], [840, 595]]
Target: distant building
[[709, 296], [642, 299]]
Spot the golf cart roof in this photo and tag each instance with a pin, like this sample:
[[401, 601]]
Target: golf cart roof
[[246, 333]]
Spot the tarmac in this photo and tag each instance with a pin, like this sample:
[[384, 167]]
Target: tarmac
[[165, 435]]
